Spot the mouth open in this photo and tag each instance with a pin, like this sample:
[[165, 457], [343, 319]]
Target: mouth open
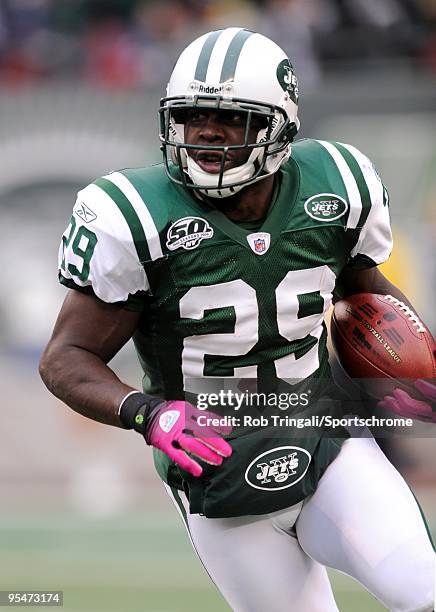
[[210, 161]]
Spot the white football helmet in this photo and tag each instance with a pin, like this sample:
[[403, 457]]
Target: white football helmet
[[231, 69]]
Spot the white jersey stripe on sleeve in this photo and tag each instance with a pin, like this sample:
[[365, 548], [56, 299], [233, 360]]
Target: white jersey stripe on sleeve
[[376, 236], [349, 182], [373, 182], [114, 245], [375, 239], [150, 229]]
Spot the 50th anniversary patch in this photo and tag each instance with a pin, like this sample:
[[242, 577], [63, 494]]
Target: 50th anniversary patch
[[187, 233]]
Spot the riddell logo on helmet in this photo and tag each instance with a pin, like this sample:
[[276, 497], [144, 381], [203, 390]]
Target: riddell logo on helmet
[[210, 89]]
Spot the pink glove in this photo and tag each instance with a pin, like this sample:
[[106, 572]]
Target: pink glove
[[401, 403], [174, 429]]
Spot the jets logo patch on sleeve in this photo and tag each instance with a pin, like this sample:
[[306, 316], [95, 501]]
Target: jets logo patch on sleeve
[[325, 207]]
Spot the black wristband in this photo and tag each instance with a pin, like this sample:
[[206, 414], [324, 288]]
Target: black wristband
[[137, 410]]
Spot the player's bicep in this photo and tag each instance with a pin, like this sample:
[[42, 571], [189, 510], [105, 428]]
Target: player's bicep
[[369, 280], [86, 322]]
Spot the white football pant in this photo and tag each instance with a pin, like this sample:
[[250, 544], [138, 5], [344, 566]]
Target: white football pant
[[362, 520]]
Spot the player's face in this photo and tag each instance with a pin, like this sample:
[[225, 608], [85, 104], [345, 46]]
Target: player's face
[[219, 128]]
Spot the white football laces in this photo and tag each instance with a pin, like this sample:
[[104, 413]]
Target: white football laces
[[408, 312]]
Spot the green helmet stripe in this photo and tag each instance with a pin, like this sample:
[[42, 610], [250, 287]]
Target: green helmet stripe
[[204, 57], [360, 180], [232, 56], [130, 216]]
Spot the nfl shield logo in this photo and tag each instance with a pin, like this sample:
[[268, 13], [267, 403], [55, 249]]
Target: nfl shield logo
[[259, 245], [259, 242]]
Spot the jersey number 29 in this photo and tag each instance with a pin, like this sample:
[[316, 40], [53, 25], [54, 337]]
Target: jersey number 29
[[242, 297]]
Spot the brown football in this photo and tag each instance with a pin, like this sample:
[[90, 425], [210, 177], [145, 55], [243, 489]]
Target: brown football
[[382, 342]]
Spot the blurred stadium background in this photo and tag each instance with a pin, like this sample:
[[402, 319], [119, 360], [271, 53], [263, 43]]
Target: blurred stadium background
[[81, 508]]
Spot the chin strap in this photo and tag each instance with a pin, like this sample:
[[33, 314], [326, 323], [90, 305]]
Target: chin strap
[[200, 177], [240, 173]]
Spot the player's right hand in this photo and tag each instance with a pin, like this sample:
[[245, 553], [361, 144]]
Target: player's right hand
[[172, 427], [404, 405], [175, 431]]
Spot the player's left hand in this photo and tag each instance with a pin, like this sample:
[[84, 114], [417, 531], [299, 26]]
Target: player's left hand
[[404, 405], [173, 428]]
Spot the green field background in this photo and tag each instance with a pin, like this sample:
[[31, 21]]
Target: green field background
[[134, 564]]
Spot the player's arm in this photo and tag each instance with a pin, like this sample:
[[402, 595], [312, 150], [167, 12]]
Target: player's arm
[[361, 275], [368, 280], [371, 280], [87, 335]]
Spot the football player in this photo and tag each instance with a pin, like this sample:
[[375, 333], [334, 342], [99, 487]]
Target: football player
[[220, 263]]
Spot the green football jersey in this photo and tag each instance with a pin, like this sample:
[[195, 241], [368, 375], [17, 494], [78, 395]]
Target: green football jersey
[[219, 299]]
